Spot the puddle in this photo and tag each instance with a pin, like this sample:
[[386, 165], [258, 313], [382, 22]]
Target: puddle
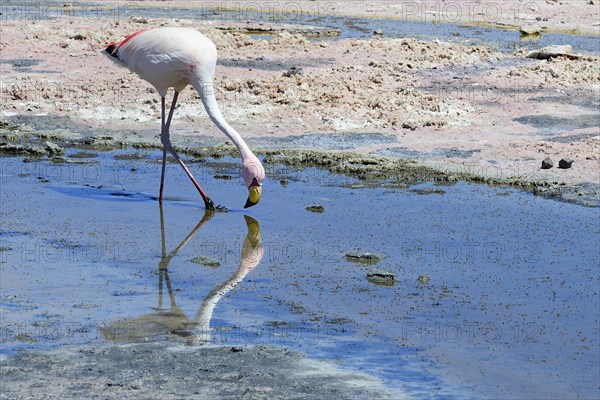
[[403, 152], [572, 138], [549, 124], [318, 15], [331, 141], [21, 62], [355, 27], [587, 103], [479, 273], [262, 63], [25, 64]]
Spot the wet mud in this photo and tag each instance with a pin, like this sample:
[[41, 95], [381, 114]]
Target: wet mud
[[203, 373]]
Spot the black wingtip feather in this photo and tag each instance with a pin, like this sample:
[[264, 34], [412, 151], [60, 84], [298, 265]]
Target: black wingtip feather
[[112, 51]]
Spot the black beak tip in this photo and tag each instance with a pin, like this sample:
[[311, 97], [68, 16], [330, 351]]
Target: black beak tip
[[249, 204]]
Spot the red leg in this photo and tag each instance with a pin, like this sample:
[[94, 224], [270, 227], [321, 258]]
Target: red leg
[[164, 160], [166, 141]]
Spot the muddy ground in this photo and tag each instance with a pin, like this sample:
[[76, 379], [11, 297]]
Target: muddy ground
[[130, 372]]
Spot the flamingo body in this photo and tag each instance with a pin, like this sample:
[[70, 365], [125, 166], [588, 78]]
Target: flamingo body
[[168, 57]]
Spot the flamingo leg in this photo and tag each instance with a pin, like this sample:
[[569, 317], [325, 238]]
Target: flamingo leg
[[164, 159], [166, 141]]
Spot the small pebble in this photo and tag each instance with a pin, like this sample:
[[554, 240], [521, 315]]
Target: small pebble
[[316, 209], [380, 277], [293, 71], [530, 30], [59, 159], [365, 258], [206, 261], [223, 177]]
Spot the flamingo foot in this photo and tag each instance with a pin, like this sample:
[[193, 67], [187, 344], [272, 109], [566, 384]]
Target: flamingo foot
[[210, 205]]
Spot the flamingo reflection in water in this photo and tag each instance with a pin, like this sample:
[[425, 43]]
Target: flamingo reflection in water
[[174, 321]]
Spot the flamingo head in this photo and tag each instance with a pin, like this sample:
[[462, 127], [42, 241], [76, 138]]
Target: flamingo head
[[254, 176]]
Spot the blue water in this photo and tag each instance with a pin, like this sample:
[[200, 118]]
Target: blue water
[[512, 292], [326, 14]]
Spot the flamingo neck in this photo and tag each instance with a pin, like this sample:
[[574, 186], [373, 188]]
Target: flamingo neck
[[207, 94]]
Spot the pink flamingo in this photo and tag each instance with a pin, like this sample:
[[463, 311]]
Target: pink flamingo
[[178, 57]]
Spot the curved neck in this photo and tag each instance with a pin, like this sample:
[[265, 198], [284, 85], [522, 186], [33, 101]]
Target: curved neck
[[207, 94]]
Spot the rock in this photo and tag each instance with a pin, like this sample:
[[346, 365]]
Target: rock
[[378, 32], [547, 163], [293, 71], [553, 51], [206, 261], [364, 258], [77, 37], [224, 177], [530, 29], [424, 279], [565, 163], [409, 125], [231, 86], [59, 159], [316, 209], [53, 148], [380, 277]]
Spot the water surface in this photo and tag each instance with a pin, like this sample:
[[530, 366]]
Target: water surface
[[428, 26], [495, 292]]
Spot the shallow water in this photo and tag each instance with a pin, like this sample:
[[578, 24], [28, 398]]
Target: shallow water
[[437, 25], [324, 15], [510, 309]]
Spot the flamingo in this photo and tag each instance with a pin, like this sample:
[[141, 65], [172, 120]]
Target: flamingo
[[174, 320], [178, 57]]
